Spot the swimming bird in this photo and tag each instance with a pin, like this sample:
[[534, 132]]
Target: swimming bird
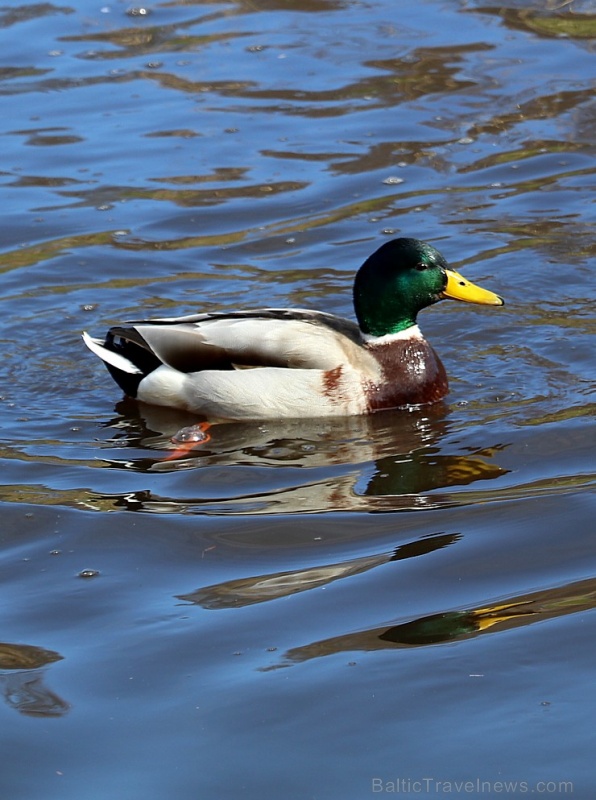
[[276, 363]]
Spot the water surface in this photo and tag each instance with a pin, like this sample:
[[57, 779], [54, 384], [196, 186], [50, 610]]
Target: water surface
[[297, 610]]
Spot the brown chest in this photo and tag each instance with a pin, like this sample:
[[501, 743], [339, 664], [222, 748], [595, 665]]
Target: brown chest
[[411, 374]]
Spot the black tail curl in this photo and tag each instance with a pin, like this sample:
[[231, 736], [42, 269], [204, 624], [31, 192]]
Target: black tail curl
[[128, 343]]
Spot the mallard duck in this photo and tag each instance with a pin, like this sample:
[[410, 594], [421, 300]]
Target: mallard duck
[[272, 363]]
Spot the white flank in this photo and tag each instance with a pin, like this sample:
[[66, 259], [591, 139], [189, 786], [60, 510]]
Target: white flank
[[262, 393]]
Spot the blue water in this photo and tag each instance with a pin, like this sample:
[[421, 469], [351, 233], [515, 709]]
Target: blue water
[[313, 609]]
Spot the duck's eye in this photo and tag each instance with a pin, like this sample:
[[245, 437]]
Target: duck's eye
[[421, 267]]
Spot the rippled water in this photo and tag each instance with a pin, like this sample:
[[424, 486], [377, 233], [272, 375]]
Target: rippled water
[[316, 609]]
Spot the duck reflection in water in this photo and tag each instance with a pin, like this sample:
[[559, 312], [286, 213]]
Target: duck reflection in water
[[386, 462], [451, 626], [260, 588], [22, 683]]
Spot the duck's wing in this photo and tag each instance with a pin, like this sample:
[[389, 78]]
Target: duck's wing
[[296, 339]]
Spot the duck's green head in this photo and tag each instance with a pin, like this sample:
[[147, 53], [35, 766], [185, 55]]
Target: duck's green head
[[400, 279]]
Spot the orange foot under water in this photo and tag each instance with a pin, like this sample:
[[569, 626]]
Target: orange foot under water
[[188, 438]]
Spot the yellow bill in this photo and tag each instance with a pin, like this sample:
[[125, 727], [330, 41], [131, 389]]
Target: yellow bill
[[458, 288]]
